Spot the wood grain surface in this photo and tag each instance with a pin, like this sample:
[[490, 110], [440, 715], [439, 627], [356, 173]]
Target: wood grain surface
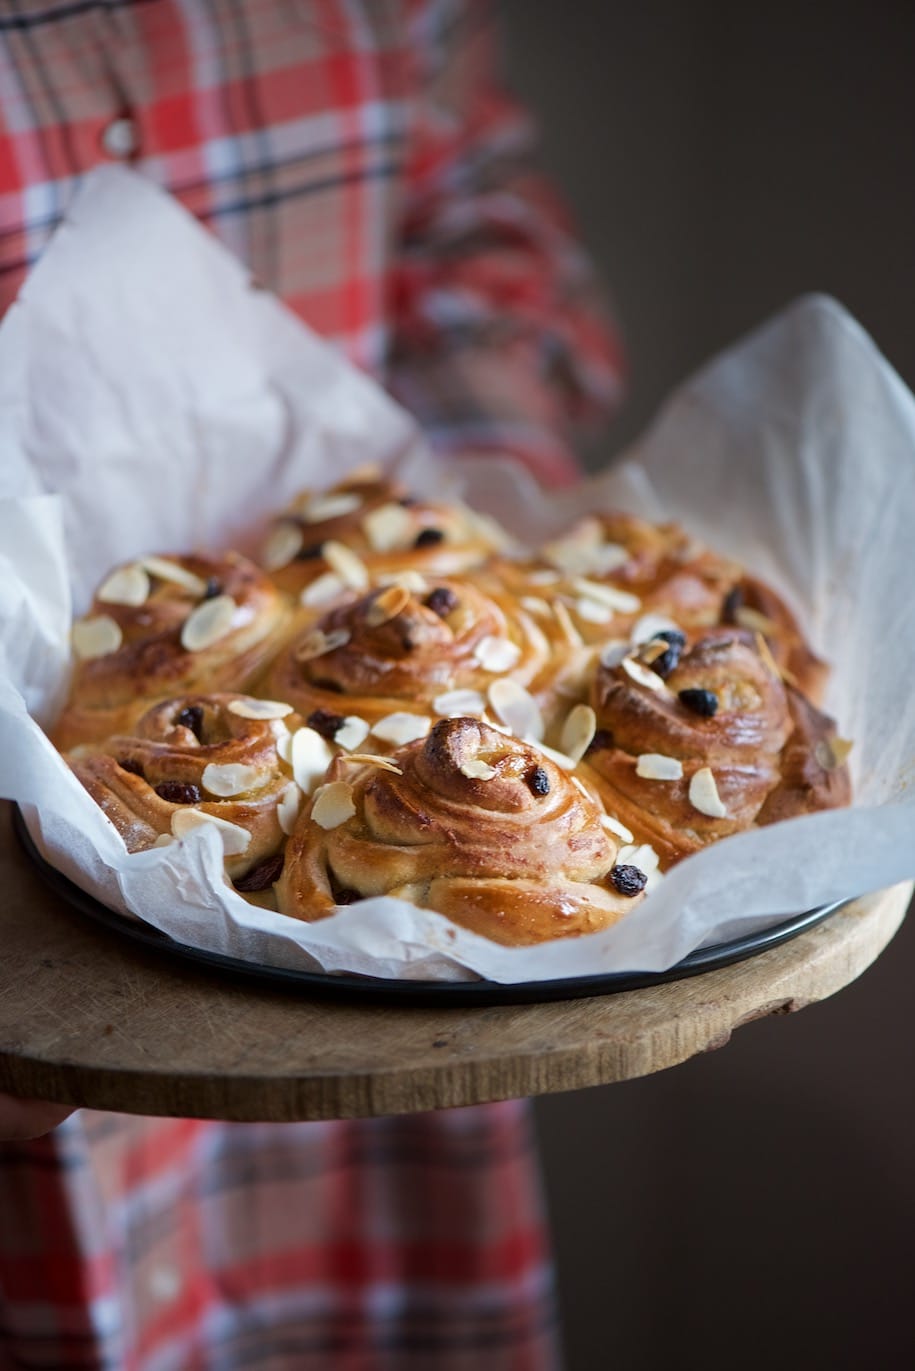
[[88, 1017]]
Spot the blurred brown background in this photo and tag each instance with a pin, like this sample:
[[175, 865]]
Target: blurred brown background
[[756, 1206]]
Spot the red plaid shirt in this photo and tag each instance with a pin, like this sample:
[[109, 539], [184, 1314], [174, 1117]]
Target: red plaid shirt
[[360, 157]]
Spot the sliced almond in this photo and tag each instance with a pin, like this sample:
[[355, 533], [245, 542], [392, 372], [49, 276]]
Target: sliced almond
[[655, 766], [643, 675], [389, 528], [129, 585], [345, 564], [580, 785], [650, 625], [284, 747], [400, 728], [317, 643], [497, 654], [535, 605], [475, 769], [167, 570], [703, 794], [753, 619], [370, 759], [232, 778], [250, 708], [235, 839], [641, 855], [765, 653], [95, 637], [613, 652], [606, 557], [351, 732], [322, 590], [408, 578], [282, 545], [564, 619], [544, 577], [651, 651], [831, 753], [287, 807], [386, 606], [516, 707], [318, 508], [614, 826], [620, 601], [333, 804], [593, 611], [454, 703], [310, 756], [577, 731], [208, 622]]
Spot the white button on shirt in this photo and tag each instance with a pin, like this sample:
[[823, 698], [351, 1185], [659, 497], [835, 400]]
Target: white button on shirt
[[121, 137]]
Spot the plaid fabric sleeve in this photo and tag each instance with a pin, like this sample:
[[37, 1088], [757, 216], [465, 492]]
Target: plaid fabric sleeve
[[501, 340]]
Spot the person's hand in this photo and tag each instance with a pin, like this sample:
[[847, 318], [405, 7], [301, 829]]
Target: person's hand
[[21, 1119]]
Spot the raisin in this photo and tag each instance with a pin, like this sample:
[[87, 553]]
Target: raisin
[[325, 723], [429, 537], [704, 702], [344, 894], [628, 880], [135, 768], [732, 602], [214, 588], [192, 717], [308, 553], [178, 792], [262, 875], [601, 742], [668, 661], [538, 782], [442, 600]]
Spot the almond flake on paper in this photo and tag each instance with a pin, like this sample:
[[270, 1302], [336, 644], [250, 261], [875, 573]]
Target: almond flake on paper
[[703, 794], [207, 623], [129, 585], [167, 570], [333, 804], [235, 839], [95, 637], [251, 708], [655, 766]]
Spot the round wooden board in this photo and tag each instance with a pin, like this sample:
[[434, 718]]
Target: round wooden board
[[91, 1018]]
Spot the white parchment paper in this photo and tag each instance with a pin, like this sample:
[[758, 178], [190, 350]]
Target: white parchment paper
[[153, 400]]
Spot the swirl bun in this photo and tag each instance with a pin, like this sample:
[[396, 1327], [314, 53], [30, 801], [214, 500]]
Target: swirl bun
[[388, 529], [195, 755], [713, 745], [469, 822], [165, 626]]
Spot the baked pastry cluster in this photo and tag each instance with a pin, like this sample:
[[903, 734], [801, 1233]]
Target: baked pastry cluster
[[399, 701]]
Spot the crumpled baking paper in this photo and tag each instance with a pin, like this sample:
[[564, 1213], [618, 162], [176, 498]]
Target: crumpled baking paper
[[153, 399]]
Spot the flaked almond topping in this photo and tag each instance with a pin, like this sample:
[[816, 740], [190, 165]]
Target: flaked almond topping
[[650, 626], [453, 703], [387, 605], [621, 601], [322, 590], [309, 757], [207, 623], [287, 807], [753, 619], [654, 766], [400, 728], [613, 652], [232, 778], [235, 839], [765, 652], [281, 545], [643, 675], [95, 637], [593, 611], [641, 855], [345, 564], [535, 605], [167, 570], [164, 840], [388, 527], [250, 708], [580, 785], [284, 747], [606, 557], [351, 732], [703, 794], [650, 652], [497, 654], [564, 619], [317, 508], [831, 753], [371, 759], [475, 769], [544, 578], [614, 826], [577, 731], [516, 707], [333, 804], [129, 585], [408, 578], [317, 643]]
